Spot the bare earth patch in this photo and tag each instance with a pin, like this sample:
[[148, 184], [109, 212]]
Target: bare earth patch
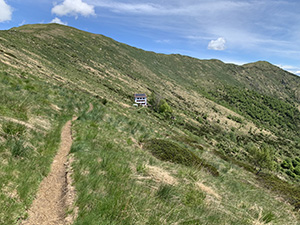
[[91, 107], [55, 195], [124, 105], [40, 122], [55, 107], [160, 175]]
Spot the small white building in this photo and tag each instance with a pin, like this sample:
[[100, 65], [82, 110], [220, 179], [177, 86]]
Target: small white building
[[140, 99]]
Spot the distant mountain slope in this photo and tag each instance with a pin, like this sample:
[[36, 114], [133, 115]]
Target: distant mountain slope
[[69, 52]]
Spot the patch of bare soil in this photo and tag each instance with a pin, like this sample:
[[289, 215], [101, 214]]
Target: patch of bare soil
[[55, 195], [91, 107], [124, 105], [160, 175]]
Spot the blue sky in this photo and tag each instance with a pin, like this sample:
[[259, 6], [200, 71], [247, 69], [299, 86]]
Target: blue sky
[[234, 31]]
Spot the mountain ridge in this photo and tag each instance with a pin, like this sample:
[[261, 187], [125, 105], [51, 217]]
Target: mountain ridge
[[202, 64]]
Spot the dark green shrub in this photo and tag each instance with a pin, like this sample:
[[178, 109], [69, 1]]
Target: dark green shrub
[[287, 164], [104, 101], [169, 151], [290, 173], [297, 170], [235, 118], [295, 163]]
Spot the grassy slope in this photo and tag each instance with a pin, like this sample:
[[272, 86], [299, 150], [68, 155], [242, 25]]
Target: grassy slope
[[32, 113], [117, 180], [110, 163]]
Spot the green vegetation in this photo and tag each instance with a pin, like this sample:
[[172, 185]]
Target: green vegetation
[[235, 118], [272, 112], [164, 108], [29, 137], [262, 158], [117, 181], [172, 152], [160, 105], [218, 145], [283, 188]]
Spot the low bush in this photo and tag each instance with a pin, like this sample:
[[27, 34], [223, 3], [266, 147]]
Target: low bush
[[169, 151], [286, 164], [290, 173], [104, 101], [297, 170], [235, 118]]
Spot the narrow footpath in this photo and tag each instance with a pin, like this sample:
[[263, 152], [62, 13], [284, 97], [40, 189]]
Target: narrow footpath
[[53, 196]]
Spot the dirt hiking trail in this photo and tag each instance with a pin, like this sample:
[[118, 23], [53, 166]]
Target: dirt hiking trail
[[55, 195]]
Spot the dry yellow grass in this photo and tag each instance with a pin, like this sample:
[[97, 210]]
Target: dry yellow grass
[[208, 190], [156, 174]]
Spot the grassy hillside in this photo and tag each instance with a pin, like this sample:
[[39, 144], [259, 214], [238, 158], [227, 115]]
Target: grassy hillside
[[223, 149], [32, 112]]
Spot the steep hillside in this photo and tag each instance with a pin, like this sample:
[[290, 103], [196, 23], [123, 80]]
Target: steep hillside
[[104, 67], [64, 50], [215, 131]]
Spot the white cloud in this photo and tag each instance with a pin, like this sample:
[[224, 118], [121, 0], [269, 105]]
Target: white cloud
[[22, 23], [57, 20], [236, 62], [164, 41], [218, 44], [287, 67], [135, 8], [248, 26], [176, 7], [5, 11], [73, 8]]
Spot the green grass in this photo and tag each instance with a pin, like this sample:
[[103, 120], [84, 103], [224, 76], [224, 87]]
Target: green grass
[[172, 152], [114, 186], [51, 72], [27, 151]]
